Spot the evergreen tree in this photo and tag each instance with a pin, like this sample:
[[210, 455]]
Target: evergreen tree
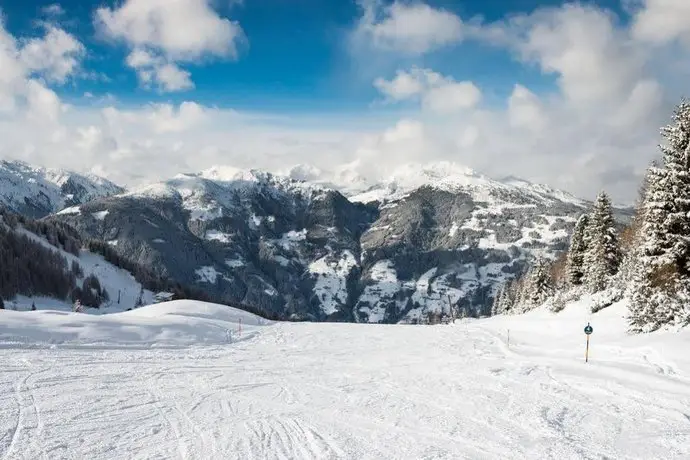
[[660, 288], [2, 303], [602, 255], [575, 270], [497, 307], [539, 286]]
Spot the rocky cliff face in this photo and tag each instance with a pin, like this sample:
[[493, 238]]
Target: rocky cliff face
[[424, 240]]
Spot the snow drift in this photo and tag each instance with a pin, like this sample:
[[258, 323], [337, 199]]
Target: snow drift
[[176, 323]]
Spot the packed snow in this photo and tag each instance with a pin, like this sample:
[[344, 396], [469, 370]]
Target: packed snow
[[186, 380]]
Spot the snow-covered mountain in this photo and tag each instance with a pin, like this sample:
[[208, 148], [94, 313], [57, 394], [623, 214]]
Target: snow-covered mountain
[[427, 238], [37, 192]]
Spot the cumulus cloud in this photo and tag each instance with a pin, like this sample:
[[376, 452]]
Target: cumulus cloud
[[662, 21], [436, 92], [169, 33], [155, 72], [413, 28], [27, 64], [596, 128], [56, 55]]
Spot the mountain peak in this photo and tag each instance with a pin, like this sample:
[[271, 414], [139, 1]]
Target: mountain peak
[[37, 191]]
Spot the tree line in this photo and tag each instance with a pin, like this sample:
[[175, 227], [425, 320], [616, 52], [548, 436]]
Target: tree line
[[648, 262]]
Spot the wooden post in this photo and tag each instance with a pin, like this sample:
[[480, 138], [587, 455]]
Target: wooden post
[[239, 327], [587, 350], [508, 338]]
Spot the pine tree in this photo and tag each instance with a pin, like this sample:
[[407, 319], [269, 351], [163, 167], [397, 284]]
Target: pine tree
[[602, 255], [496, 307], [540, 285], [660, 290], [576, 253]]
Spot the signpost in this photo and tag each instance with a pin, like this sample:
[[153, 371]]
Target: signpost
[[588, 332]]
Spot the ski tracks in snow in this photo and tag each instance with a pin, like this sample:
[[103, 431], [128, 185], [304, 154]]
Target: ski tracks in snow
[[25, 440], [327, 391]]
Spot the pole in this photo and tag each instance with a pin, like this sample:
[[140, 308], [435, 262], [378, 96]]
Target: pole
[[239, 328], [508, 338], [587, 351]]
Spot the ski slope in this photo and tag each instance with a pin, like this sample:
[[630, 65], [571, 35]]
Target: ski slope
[[178, 381]]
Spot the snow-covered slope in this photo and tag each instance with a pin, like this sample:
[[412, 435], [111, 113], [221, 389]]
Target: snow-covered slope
[[122, 288], [36, 192], [176, 323], [163, 382]]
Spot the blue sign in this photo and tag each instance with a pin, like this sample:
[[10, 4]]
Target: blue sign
[[588, 329]]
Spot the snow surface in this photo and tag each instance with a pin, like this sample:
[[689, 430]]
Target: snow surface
[[215, 235], [178, 380], [100, 215], [385, 285], [70, 210], [331, 280], [207, 274]]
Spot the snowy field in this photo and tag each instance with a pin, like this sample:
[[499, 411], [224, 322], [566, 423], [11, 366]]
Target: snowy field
[[178, 380]]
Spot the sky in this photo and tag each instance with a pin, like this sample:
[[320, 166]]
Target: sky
[[567, 94]]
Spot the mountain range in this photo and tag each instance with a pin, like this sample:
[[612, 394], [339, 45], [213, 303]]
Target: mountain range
[[427, 238]]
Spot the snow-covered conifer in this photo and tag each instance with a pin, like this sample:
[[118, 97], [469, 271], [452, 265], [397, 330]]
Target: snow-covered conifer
[[536, 287], [576, 253], [660, 288], [602, 255]]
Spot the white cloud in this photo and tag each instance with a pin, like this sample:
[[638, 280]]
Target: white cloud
[[154, 71], [405, 85], [525, 109], [413, 28], [662, 21], [598, 127], [53, 10], [170, 33], [595, 61], [55, 56], [159, 118], [437, 93]]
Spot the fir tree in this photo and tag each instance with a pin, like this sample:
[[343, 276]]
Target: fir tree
[[660, 291], [536, 287], [496, 307], [575, 270], [602, 255]]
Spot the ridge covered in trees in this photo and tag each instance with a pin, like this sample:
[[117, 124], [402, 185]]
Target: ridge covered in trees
[[648, 263], [32, 268]]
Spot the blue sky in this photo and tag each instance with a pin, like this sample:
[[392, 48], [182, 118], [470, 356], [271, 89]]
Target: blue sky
[[571, 94], [296, 58]]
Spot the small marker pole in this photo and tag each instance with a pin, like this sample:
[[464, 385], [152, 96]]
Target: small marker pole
[[508, 338], [239, 328], [588, 332]]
